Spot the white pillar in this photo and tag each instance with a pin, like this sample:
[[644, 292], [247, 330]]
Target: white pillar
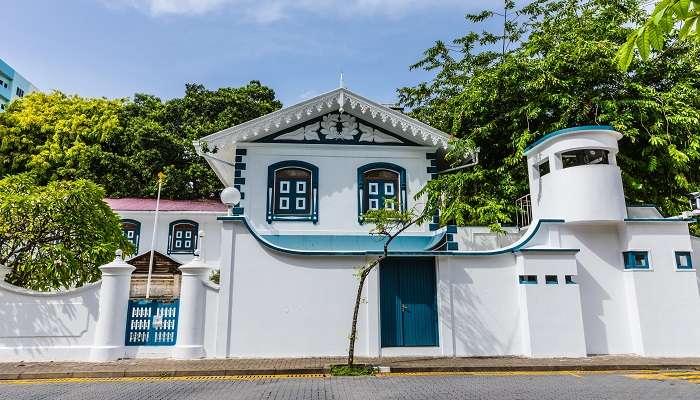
[[190, 328], [111, 322], [229, 230]]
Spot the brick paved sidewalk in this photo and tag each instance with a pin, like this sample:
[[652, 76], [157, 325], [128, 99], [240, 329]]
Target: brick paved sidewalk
[[237, 366]]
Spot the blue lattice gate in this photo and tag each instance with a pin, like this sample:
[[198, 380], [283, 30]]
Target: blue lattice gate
[[152, 322]]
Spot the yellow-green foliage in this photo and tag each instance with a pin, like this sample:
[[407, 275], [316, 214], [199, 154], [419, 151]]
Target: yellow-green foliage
[[56, 236]]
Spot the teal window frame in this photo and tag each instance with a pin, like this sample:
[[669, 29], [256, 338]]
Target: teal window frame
[[310, 199], [173, 237], [688, 257], [362, 187], [136, 236], [527, 279], [631, 260]]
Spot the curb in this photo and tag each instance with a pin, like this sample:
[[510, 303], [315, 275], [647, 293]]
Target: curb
[[547, 368], [318, 371]]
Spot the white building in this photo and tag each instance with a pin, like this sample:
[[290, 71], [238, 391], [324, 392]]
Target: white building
[[589, 275]]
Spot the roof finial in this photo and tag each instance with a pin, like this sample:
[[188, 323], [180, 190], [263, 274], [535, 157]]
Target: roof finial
[[342, 82]]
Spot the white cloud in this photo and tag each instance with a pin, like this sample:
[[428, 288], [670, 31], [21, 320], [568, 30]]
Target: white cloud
[[273, 10]]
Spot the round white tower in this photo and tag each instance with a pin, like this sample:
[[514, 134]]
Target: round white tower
[[574, 175]]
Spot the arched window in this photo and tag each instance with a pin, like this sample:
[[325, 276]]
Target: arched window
[[378, 182], [132, 232], [292, 192], [182, 237]]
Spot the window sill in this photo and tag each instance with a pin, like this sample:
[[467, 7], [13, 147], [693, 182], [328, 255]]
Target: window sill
[[639, 269], [181, 252], [686, 269], [309, 218]]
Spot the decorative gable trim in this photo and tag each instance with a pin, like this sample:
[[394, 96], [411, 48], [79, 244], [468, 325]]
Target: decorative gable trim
[[341, 100], [336, 128]]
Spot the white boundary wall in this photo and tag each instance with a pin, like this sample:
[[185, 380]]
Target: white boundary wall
[[41, 326]]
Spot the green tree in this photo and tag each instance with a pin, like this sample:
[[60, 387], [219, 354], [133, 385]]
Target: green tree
[[653, 33], [56, 236], [554, 67], [122, 144]]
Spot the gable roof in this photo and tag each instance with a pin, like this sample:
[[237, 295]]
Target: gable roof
[[340, 99], [162, 264]]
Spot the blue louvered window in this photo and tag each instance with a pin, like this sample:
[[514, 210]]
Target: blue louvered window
[[182, 238], [292, 192], [381, 185], [132, 232], [377, 183]]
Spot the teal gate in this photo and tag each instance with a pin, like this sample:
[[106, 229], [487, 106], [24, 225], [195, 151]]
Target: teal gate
[[408, 302], [152, 322]]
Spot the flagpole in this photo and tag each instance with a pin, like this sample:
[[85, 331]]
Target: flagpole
[[153, 238]]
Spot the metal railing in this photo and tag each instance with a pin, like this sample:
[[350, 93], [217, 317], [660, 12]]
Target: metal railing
[[523, 216]]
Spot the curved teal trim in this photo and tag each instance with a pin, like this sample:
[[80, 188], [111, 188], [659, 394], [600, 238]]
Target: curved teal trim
[[425, 252], [660, 220], [565, 131]]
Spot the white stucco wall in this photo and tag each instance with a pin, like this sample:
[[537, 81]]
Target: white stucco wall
[[211, 318], [207, 222], [666, 299], [337, 165], [286, 306], [479, 306], [551, 320], [602, 286], [695, 244], [40, 326], [482, 238]]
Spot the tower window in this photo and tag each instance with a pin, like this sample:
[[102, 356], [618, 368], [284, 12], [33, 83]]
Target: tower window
[[543, 168], [575, 158]]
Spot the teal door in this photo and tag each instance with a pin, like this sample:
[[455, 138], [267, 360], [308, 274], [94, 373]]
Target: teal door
[[408, 302]]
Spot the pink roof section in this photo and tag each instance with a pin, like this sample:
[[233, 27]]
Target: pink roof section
[[138, 204]]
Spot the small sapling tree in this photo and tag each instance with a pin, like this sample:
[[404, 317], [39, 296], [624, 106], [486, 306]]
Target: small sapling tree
[[388, 224]]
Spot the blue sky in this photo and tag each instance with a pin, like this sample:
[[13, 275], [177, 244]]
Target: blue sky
[[115, 48]]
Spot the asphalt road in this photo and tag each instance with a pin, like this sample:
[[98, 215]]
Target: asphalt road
[[476, 386]]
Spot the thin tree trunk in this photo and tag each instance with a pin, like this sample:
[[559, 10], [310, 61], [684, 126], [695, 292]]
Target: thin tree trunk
[[360, 286], [356, 311]]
